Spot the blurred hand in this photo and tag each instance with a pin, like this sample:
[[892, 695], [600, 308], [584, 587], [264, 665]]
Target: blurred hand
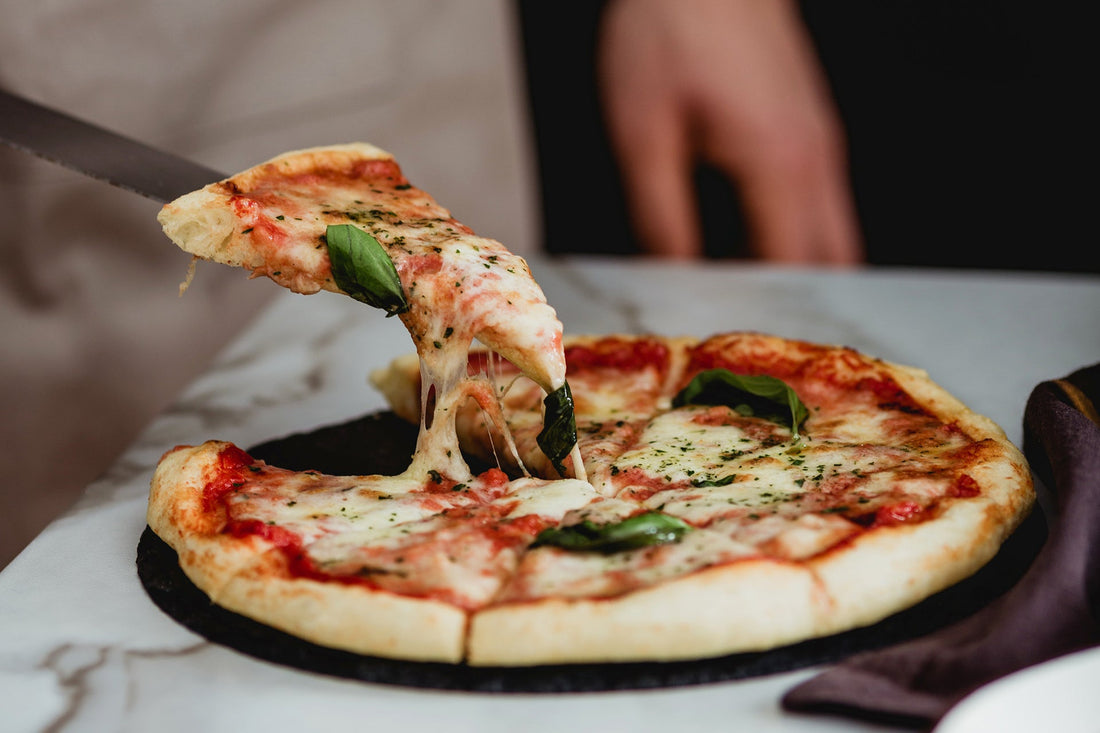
[[735, 83]]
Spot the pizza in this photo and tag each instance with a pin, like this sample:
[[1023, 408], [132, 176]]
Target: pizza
[[345, 219], [651, 497]]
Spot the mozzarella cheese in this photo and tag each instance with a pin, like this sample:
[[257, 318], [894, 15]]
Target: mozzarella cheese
[[458, 541], [272, 219]]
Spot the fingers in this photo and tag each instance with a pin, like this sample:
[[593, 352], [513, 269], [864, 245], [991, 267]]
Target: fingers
[[660, 195], [777, 134], [657, 182], [780, 139], [735, 83], [797, 200], [643, 112]]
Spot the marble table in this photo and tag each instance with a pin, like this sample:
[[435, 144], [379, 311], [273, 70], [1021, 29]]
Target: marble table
[[83, 648]]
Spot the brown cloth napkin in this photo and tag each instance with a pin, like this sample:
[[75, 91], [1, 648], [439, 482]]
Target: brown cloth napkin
[[1054, 609]]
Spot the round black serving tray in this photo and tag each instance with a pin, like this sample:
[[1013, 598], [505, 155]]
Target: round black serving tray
[[382, 443]]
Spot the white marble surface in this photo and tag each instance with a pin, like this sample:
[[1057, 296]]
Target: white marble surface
[[83, 648]]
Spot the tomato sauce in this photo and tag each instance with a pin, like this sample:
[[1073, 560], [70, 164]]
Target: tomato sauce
[[624, 354]]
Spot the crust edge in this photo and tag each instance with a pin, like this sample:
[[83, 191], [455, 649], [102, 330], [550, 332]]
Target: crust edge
[[249, 576]]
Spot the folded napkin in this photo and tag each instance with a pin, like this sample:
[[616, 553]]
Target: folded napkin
[[1054, 609]]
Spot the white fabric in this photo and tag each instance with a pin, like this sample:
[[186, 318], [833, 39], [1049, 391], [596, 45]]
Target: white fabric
[[94, 337]]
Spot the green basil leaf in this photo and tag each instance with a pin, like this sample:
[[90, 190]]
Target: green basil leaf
[[724, 481], [642, 530], [559, 426], [762, 396], [363, 270]]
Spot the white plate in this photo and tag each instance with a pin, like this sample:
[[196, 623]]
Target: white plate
[[1059, 696]]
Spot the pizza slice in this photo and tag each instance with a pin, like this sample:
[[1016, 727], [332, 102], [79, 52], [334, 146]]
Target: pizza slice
[[371, 564], [345, 219]]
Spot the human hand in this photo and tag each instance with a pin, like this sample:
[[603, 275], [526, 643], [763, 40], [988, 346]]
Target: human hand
[[735, 83]]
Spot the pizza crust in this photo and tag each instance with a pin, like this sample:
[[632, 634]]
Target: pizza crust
[[887, 570], [249, 576], [204, 224], [705, 614], [176, 514], [757, 604], [937, 400], [345, 616]]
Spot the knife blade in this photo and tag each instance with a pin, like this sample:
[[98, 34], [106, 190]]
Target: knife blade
[[97, 152]]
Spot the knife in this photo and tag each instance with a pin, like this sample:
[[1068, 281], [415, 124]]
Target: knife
[[99, 153]]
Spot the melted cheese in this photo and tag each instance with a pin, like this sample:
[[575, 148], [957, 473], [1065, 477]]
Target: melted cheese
[[459, 542], [459, 287], [746, 485]]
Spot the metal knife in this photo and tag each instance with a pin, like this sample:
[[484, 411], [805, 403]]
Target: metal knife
[[99, 153]]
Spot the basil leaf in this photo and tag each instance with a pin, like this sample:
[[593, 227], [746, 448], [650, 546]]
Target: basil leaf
[[724, 481], [642, 530], [559, 426], [363, 270], [762, 396]]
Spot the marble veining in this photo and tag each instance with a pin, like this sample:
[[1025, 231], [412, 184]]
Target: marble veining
[[626, 311], [82, 648]]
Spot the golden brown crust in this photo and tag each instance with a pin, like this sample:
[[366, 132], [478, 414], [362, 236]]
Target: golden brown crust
[[249, 576], [748, 605], [341, 159], [345, 616], [177, 515], [205, 223]]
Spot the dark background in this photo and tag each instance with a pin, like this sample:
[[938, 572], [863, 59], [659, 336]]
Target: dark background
[[967, 131]]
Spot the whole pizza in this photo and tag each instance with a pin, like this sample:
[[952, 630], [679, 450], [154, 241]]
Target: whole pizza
[[653, 497]]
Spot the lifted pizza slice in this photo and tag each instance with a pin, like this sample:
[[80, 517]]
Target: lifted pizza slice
[[345, 219]]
